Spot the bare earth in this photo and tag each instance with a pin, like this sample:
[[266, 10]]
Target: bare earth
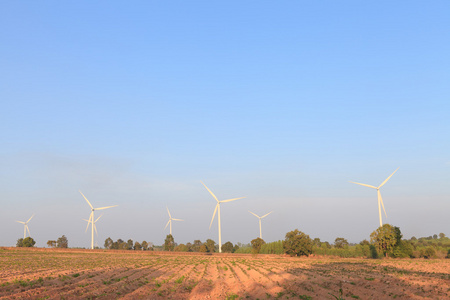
[[92, 274]]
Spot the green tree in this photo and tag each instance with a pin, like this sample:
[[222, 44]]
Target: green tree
[[28, 242], [108, 243], [129, 244], [257, 244], [203, 248], [51, 243], [317, 242], [19, 242], [196, 246], [441, 235], [169, 243], [340, 243], [210, 245], [144, 245], [137, 246], [297, 243], [384, 238], [62, 242], [181, 248], [227, 247]]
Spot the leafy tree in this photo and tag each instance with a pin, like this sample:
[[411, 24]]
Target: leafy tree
[[28, 242], [297, 243], [235, 248], [257, 244], [137, 246], [51, 243], [62, 242], [210, 245], [227, 247], [189, 247], [169, 243], [317, 242], [435, 236], [181, 248], [340, 243], [196, 246], [413, 238], [403, 249], [364, 242], [19, 242], [144, 245], [373, 252], [384, 238], [130, 244], [109, 243], [203, 248], [441, 235]]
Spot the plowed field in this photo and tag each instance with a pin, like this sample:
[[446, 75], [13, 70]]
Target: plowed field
[[92, 274]]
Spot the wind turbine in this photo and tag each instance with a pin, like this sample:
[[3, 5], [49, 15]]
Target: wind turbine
[[217, 209], [91, 217], [380, 200], [260, 232], [25, 227], [170, 221], [95, 227]]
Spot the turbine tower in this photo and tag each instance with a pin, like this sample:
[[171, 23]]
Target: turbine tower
[[25, 227], [95, 227], [170, 221], [380, 200], [91, 217], [260, 232], [217, 209]]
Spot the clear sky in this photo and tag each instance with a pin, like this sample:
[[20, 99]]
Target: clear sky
[[283, 102]]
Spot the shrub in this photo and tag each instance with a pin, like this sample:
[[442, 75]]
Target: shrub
[[297, 243]]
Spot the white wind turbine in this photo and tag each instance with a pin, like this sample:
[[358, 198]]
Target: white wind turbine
[[260, 232], [95, 227], [170, 221], [380, 200], [91, 217], [25, 227], [217, 209]]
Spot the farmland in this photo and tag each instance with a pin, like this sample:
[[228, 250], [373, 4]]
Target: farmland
[[109, 274]]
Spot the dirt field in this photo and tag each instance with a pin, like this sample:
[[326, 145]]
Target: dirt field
[[75, 274]]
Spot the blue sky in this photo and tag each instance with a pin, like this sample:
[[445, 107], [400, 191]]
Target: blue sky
[[281, 102]]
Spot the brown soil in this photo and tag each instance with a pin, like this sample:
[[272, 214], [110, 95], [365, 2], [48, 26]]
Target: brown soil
[[76, 273]]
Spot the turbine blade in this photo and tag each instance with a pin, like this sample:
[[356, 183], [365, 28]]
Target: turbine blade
[[98, 219], [266, 214], [371, 186], [105, 207], [86, 199], [177, 220], [28, 229], [89, 222], [168, 212], [210, 192], [167, 224], [229, 200], [95, 229], [387, 178], [85, 220], [382, 204], [214, 214], [21, 222], [30, 218], [254, 214]]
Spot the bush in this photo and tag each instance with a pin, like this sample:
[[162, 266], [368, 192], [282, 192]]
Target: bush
[[373, 252], [429, 252], [272, 248], [403, 249], [297, 243]]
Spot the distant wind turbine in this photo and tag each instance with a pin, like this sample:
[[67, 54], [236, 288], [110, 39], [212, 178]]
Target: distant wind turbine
[[260, 232], [91, 217], [170, 221], [25, 227], [89, 222], [380, 200], [217, 209]]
